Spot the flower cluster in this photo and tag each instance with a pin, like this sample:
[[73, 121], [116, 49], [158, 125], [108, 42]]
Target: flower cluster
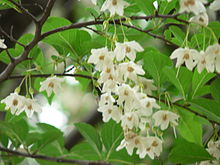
[[18, 103], [208, 59], [197, 7], [214, 150], [125, 99]]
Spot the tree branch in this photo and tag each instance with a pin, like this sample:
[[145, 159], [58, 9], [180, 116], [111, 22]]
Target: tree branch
[[23, 10], [53, 159], [56, 74]]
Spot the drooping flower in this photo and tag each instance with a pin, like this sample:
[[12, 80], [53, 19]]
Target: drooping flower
[[15, 103], [2, 45], [195, 6], [201, 19], [202, 62], [106, 98], [131, 70], [215, 5], [185, 55], [114, 7], [147, 105], [214, 148], [51, 84], [209, 162], [153, 147], [130, 120], [213, 57], [148, 85], [128, 49], [164, 118], [31, 106], [110, 111], [101, 58]]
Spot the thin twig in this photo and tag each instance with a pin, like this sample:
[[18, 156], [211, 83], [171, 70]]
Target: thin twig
[[53, 159], [9, 55]]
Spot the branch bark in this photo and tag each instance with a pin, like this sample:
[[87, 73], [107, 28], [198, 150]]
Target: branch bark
[[53, 159]]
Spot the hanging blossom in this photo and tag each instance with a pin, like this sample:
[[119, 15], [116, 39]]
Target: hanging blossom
[[18, 104], [94, 2], [201, 19], [215, 5], [126, 98], [195, 6], [51, 84], [185, 55], [214, 150], [2, 45], [114, 7]]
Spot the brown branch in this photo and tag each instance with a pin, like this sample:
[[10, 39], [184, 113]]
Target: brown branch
[[53, 159], [11, 37], [56, 74], [9, 55], [186, 107], [38, 36], [23, 10]]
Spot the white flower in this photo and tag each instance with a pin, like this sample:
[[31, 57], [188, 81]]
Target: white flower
[[163, 118], [14, 102], [215, 5], [205, 61], [31, 106], [209, 162], [101, 58], [114, 7], [51, 84], [214, 148], [2, 45], [131, 70], [195, 6], [109, 77], [185, 55], [201, 19], [213, 58], [110, 111], [126, 94], [153, 147], [128, 49], [147, 105], [148, 85], [106, 98], [132, 141], [130, 120]]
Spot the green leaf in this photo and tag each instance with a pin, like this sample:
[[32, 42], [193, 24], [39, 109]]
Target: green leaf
[[186, 152], [215, 89], [146, 6], [180, 79], [166, 7], [154, 61], [5, 4], [91, 135], [215, 26], [70, 41], [199, 80], [189, 127], [111, 134], [206, 107], [84, 151], [178, 34]]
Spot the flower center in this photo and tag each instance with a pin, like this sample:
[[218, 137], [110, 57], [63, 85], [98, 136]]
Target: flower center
[[109, 111], [30, 107], [51, 85], [128, 49], [148, 105], [189, 3], [186, 56], [201, 19], [136, 141], [110, 77], [164, 117], [126, 93], [15, 102], [130, 118], [203, 62], [217, 51], [101, 57], [148, 149], [114, 2], [108, 70], [130, 69], [154, 144]]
